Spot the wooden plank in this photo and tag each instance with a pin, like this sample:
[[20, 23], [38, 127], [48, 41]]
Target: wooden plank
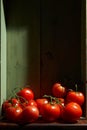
[[23, 45], [60, 43], [3, 62], [41, 125], [86, 57], [83, 50]]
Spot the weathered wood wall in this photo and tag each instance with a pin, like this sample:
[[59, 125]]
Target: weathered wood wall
[[3, 51], [43, 43], [23, 44]]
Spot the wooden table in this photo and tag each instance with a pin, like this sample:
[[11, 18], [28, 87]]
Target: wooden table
[[80, 125]]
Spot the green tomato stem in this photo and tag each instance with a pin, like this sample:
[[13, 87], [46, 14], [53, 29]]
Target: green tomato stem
[[51, 98]]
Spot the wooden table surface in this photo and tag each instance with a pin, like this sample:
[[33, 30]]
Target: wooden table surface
[[80, 124]]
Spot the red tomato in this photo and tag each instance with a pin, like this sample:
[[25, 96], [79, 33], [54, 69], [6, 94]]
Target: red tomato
[[14, 114], [30, 114], [9, 103], [74, 96], [58, 90], [61, 105], [15, 102], [72, 112], [40, 102], [30, 102], [5, 105], [51, 112], [26, 94], [61, 100]]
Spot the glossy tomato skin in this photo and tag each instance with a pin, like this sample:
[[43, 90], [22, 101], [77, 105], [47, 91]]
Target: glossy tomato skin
[[30, 114], [51, 112], [58, 90], [14, 114], [26, 94], [9, 103], [61, 110], [72, 112], [40, 102], [31, 102], [14, 101], [77, 97]]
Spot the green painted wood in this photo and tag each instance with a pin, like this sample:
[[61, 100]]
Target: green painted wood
[[3, 62], [23, 45]]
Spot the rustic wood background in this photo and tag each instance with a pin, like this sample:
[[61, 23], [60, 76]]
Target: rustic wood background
[[44, 44]]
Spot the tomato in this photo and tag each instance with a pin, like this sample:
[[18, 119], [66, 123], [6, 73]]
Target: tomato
[[58, 90], [26, 94], [14, 114], [15, 102], [30, 114], [40, 102], [9, 103], [61, 100], [72, 112], [5, 105], [29, 102], [32, 102], [61, 105], [51, 112], [74, 96]]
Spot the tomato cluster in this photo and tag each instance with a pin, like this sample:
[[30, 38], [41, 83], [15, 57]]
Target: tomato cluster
[[73, 101], [62, 105]]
